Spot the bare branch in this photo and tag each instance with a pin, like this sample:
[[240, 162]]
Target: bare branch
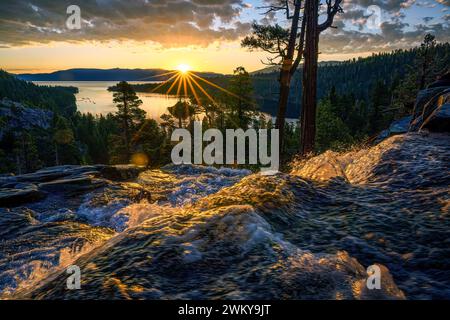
[[332, 9]]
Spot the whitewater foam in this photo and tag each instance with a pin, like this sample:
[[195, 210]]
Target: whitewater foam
[[211, 233]]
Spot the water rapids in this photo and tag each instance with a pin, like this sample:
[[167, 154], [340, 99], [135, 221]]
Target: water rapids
[[208, 233]]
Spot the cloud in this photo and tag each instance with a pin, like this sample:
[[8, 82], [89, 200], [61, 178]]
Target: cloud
[[444, 2], [397, 29], [171, 23], [426, 4], [392, 36], [179, 23], [386, 5]]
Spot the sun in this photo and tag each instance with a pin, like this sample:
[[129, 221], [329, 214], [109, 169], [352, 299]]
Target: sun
[[184, 68]]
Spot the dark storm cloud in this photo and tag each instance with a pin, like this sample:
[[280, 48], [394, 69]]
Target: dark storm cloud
[[168, 22]]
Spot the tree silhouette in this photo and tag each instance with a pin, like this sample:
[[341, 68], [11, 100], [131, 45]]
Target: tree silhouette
[[182, 110], [309, 103], [286, 45], [129, 115]]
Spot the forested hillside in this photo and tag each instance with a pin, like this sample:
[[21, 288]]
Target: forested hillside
[[60, 137], [57, 99], [357, 77], [358, 99], [40, 127]]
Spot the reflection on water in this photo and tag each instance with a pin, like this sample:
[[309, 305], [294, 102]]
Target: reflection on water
[[94, 97]]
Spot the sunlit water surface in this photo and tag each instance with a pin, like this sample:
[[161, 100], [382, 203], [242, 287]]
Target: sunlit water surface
[[94, 97], [208, 233]]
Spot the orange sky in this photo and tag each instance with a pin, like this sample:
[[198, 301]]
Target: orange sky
[[222, 58], [34, 36]]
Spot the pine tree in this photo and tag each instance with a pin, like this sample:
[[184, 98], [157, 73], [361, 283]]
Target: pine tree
[[426, 59], [63, 137], [129, 115], [240, 103], [182, 111], [151, 141], [27, 156]]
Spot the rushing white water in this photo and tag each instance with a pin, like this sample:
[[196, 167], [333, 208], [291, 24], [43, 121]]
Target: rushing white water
[[223, 233]]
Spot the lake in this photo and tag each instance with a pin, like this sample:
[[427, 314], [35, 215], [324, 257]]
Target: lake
[[94, 97]]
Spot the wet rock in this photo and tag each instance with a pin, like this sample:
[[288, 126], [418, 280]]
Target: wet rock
[[31, 249], [439, 121], [432, 108], [431, 112], [400, 126], [394, 162], [324, 167], [258, 237], [49, 174], [387, 289], [73, 174], [397, 127], [423, 97], [77, 184], [12, 197], [121, 172]]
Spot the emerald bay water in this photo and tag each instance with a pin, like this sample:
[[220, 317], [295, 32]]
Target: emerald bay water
[[94, 97]]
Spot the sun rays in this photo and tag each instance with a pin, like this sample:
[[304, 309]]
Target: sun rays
[[189, 84]]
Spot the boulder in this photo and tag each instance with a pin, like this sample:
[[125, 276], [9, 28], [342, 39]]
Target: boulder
[[424, 97], [396, 127], [439, 121], [69, 179], [50, 174], [400, 126], [121, 172], [77, 184], [12, 197], [434, 113]]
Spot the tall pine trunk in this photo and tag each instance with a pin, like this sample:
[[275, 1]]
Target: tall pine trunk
[[309, 100], [286, 75], [56, 155], [126, 130], [285, 80]]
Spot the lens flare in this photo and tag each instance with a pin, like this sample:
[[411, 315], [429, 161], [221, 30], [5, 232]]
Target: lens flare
[[184, 68], [140, 159]]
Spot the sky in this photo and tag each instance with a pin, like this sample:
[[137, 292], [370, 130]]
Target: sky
[[204, 34]]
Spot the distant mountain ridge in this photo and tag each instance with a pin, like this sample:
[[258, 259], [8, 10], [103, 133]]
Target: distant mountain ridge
[[116, 74], [276, 68]]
